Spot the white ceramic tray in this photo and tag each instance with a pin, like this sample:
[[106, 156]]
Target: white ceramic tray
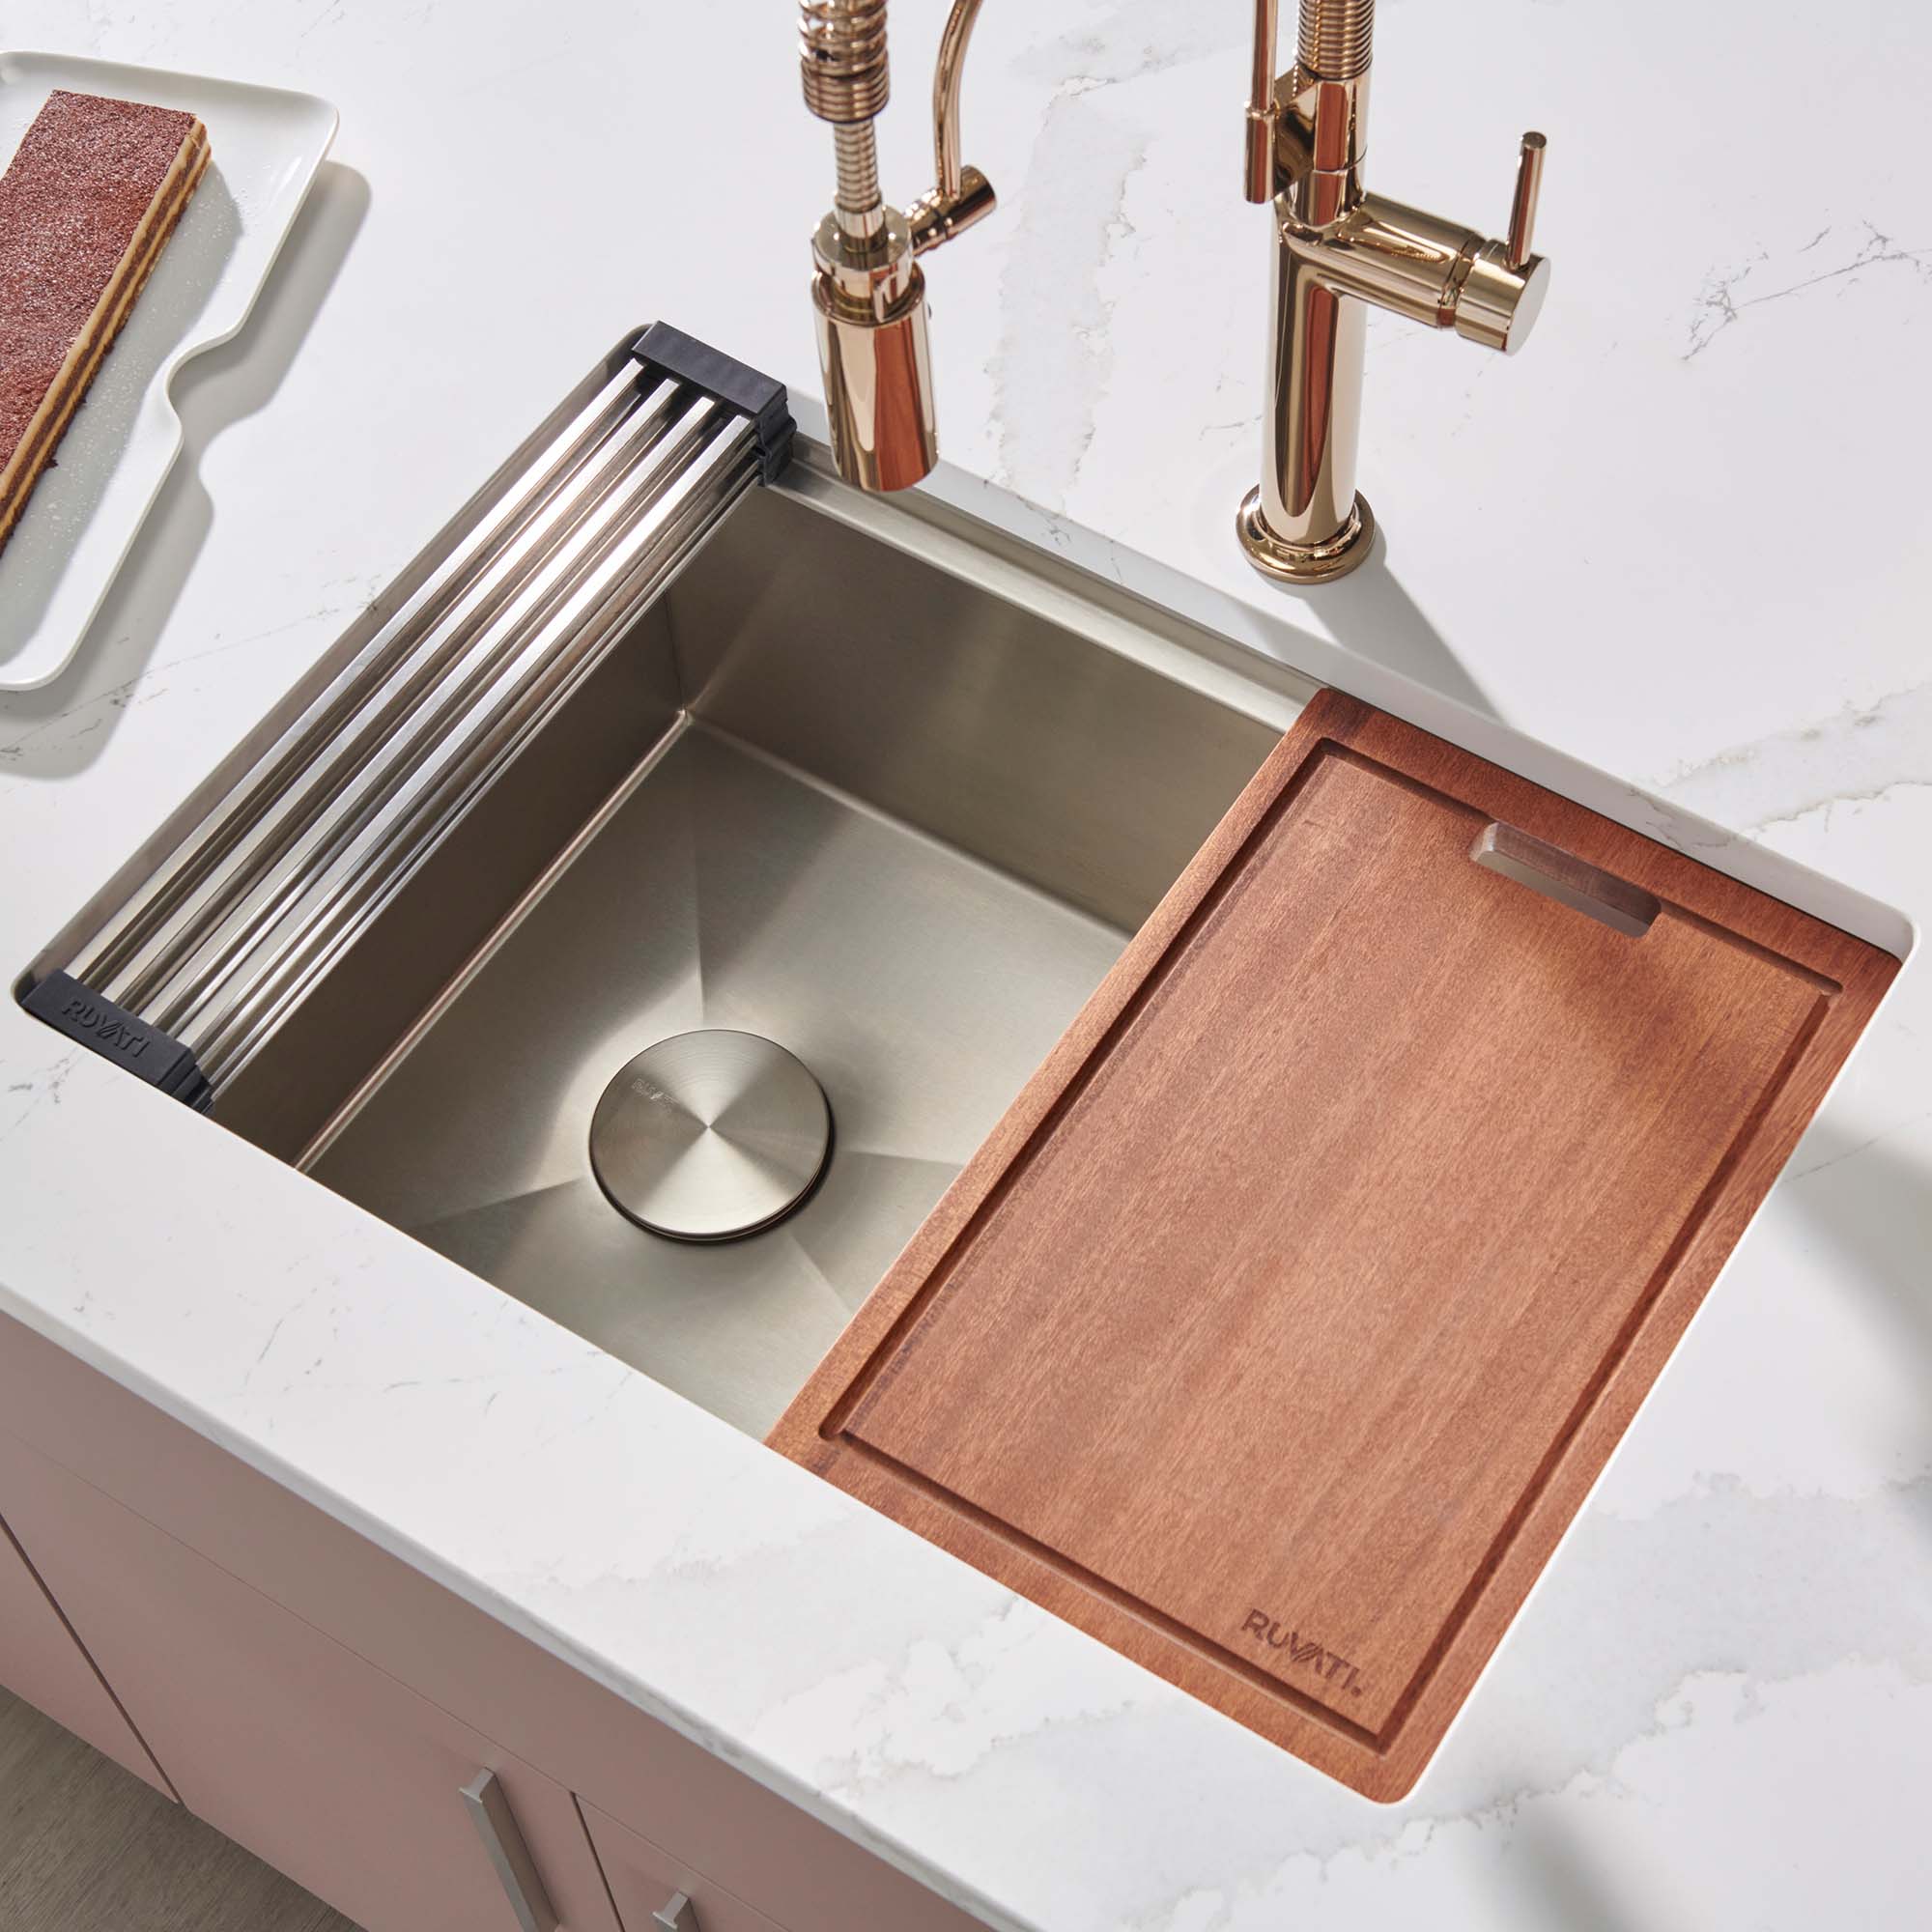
[[265, 145]]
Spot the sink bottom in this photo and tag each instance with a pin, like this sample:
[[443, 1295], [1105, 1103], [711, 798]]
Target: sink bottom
[[722, 889]]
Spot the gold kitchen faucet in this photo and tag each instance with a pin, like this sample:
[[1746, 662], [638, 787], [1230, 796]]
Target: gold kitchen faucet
[[1338, 246], [866, 287]]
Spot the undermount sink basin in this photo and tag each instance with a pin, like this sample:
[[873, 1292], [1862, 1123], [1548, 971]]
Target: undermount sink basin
[[886, 821], [883, 819], [865, 778]]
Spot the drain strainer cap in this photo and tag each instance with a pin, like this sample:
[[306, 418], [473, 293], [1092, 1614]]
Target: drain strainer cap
[[710, 1135]]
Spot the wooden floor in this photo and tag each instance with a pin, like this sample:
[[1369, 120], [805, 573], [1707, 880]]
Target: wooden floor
[[86, 1847]]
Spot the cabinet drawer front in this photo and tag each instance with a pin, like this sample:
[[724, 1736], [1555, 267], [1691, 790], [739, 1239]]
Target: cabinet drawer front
[[330, 1770], [645, 1879], [41, 1661]]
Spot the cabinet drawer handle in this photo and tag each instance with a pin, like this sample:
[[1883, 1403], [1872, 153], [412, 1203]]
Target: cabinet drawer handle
[[489, 1808], [677, 1915]]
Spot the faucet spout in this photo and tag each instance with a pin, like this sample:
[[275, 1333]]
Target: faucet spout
[[1339, 246], [1434, 272]]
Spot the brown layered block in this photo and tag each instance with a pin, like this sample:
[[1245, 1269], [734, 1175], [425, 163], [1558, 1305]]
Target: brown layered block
[[86, 207], [1279, 1329]]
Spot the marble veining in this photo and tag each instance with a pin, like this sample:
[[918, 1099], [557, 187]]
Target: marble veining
[[1860, 754], [1683, 537], [1729, 294]]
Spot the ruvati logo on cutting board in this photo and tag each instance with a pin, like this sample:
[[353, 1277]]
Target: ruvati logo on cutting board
[[1330, 1664]]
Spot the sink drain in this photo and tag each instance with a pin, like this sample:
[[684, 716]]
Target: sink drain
[[710, 1135]]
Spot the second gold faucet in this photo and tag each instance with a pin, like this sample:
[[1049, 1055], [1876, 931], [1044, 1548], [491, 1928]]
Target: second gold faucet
[[1339, 245]]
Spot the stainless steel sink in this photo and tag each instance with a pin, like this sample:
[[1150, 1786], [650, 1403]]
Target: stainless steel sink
[[864, 778], [903, 835]]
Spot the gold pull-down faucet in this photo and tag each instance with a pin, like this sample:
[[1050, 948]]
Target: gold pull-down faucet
[[866, 288], [1338, 246]]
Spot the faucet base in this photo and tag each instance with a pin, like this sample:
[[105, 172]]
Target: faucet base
[[1304, 563]]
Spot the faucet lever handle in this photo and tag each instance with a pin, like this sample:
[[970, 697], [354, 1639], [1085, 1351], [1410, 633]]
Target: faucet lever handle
[[1522, 204]]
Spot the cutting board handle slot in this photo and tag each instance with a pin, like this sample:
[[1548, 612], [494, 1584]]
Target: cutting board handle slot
[[1564, 877]]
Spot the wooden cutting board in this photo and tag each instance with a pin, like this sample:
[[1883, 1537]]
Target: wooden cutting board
[[1278, 1330]]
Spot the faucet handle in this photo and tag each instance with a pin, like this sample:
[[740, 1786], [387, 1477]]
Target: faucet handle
[[1522, 204], [1503, 284]]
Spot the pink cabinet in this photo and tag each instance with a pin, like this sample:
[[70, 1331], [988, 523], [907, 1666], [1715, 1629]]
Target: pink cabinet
[[296, 1748], [41, 1661], [213, 1547]]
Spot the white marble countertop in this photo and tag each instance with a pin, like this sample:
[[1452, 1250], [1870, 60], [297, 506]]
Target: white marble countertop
[[1685, 535]]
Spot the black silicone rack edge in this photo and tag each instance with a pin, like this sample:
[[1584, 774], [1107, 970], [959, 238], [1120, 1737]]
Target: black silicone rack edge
[[669, 352], [117, 1034]]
